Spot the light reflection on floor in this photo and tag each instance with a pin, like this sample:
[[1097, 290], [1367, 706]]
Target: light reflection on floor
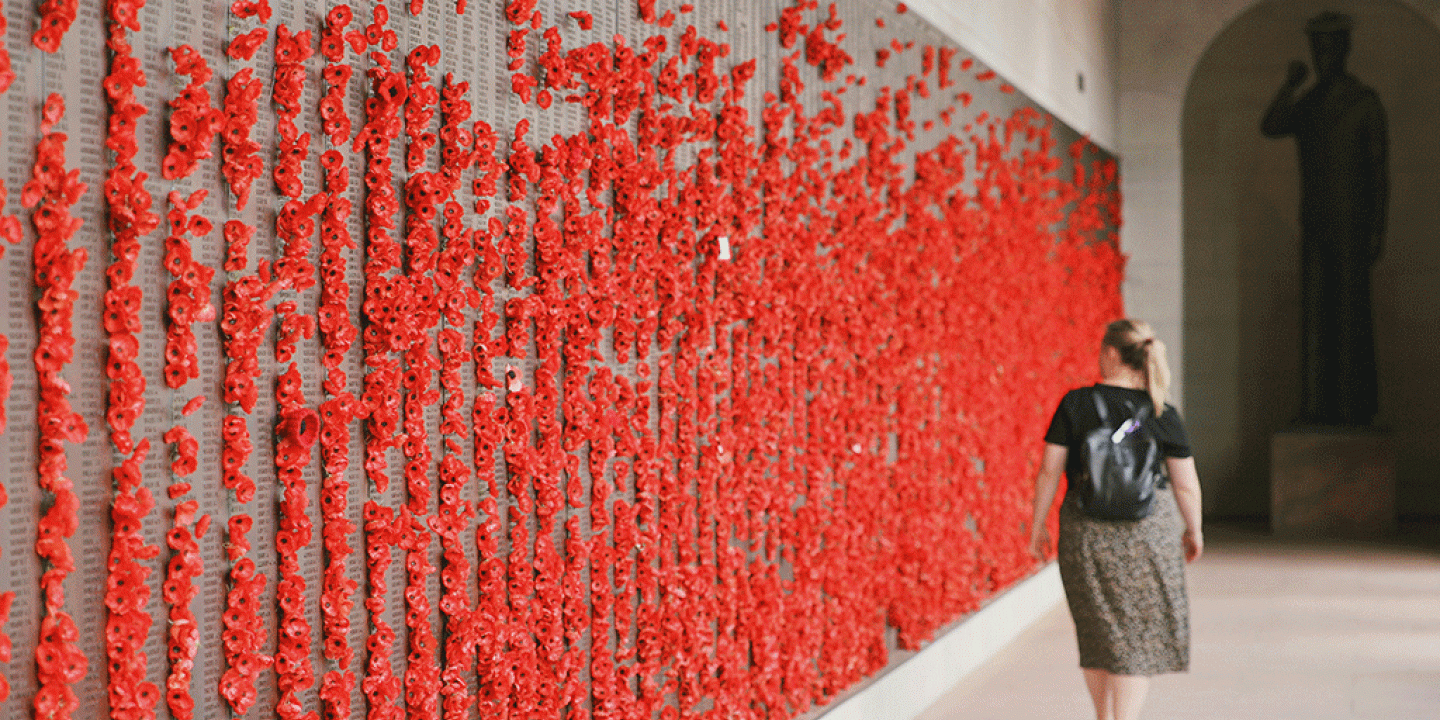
[[1282, 630]]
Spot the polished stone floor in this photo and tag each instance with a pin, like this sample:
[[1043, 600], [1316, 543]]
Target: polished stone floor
[[1281, 630]]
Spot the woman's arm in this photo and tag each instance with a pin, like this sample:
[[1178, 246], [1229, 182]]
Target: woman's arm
[[1047, 481], [1186, 483]]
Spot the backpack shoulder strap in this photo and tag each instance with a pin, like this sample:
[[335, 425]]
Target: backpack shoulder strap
[[1100, 406]]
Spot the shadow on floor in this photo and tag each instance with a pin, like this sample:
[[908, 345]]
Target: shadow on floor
[[1416, 533]]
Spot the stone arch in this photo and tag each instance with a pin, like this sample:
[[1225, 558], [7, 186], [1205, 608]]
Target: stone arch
[[1239, 201]]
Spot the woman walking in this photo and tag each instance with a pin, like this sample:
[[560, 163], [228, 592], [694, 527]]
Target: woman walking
[[1124, 579]]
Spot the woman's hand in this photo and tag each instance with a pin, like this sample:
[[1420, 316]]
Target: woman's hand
[[1186, 484], [1047, 482], [1194, 545], [1039, 541]]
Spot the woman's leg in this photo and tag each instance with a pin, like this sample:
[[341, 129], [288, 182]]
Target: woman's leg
[[1098, 682], [1116, 697], [1127, 694]]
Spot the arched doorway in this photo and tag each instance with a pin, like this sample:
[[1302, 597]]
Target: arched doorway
[[1241, 254]]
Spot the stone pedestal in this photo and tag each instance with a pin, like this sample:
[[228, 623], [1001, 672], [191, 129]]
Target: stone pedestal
[[1332, 482]]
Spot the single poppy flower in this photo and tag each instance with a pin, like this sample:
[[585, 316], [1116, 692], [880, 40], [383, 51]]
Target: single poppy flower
[[339, 16], [46, 39]]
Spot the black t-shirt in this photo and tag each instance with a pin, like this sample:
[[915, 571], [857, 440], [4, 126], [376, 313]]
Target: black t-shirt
[[1076, 418]]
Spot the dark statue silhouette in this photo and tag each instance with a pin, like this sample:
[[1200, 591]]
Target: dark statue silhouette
[[1339, 128]]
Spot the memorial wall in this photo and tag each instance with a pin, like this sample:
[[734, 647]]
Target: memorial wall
[[622, 359]]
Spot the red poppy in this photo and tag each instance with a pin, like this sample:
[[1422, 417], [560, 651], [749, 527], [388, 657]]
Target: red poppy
[[339, 16], [251, 8]]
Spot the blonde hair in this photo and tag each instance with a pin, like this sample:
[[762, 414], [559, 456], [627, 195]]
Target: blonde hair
[[1141, 350]]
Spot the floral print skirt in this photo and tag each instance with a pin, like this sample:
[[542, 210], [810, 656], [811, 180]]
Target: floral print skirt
[[1125, 584]]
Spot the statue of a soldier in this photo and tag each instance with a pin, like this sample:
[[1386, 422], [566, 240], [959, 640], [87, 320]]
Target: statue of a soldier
[[1339, 128]]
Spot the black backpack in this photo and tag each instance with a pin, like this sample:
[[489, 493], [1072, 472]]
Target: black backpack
[[1121, 466]]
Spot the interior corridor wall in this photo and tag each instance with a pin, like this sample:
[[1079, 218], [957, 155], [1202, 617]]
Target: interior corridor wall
[[1063, 54]]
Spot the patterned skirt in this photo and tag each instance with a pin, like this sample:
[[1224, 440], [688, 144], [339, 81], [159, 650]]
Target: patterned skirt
[[1125, 584]]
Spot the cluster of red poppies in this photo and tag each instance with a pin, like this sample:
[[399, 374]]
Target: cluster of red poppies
[[387, 298], [234, 453], [246, 9], [237, 245], [128, 206], [7, 72], [381, 686], [7, 599], [291, 52], [521, 83], [600, 552], [376, 34], [11, 231], [243, 638], [454, 294], [518, 12], [297, 430], [422, 672], [337, 74], [338, 589], [763, 659], [244, 323], [946, 59], [193, 119], [51, 192], [424, 193], [130, 218], [647, 13], [56, 17], [558, 596], [337, 336], [241, 163], [178, 591], [490, 616], [294, 223], [625, 675], [386, 307], [188, 297], [486, 183], [185, 460], [186, 563], [451, 524], [245, 318], [6, 381], [245, 45], [299, 426], [420, 102], [126, 592], [784, 373], [529, 673], [489, 619]]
